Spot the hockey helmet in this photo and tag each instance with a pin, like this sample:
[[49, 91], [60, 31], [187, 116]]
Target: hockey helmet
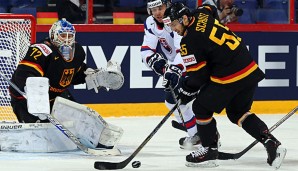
[[155, 3], [62, 33], [175, 12]]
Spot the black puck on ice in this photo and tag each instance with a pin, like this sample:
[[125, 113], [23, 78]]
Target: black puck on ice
[[136, 164]]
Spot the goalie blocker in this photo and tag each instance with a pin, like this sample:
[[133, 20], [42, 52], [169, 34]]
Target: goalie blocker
[[90, 128]]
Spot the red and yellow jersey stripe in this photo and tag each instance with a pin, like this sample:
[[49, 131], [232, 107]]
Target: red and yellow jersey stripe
[[236, 76], [196, 66], [33, 65]]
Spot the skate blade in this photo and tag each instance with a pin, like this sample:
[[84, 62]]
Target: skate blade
[[195, 147], [218, 144], [281, 153], [191, 147], [205, 164]]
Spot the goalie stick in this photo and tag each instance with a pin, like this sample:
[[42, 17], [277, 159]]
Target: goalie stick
[[65, 131], [235, 156], [120, 165]]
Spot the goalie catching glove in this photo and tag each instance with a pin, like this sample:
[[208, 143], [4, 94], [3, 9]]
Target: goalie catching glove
[[172, 76], [110, 78], [157, 63]]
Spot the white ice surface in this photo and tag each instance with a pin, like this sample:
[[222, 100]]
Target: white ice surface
[[162, 151]]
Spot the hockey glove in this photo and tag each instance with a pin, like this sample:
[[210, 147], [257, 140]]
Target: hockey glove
[[157, 63], [109, 78], [172, 76], [186, 94], [91, 80]]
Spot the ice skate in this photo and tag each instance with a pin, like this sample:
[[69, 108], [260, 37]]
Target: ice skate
[[190, 143], [203, 157], [275, 152]]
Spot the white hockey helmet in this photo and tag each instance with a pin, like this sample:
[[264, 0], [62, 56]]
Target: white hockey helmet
[[65, 28], [155, 3]]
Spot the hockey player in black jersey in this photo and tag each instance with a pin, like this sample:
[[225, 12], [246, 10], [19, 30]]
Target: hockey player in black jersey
[[61, 60], [220, 66]]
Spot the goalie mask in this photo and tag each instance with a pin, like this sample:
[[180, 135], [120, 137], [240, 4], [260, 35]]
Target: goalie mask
[[62, 35]]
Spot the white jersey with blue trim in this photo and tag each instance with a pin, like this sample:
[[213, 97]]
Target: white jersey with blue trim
[[169, 42]]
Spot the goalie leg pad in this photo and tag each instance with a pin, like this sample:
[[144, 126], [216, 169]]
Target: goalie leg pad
[[90, 127], [37, 91], [110, 135], [34, 137]]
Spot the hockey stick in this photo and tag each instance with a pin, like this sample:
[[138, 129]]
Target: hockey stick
[[65, 131], [228, 156], [177, 125], [120, 165], [178, 108]]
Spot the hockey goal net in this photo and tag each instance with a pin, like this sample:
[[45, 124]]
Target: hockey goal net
[[16, 34]]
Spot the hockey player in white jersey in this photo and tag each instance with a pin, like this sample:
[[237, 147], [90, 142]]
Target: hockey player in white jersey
[[169, 64]]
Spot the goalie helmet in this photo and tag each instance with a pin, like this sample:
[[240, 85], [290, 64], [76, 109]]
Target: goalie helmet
[[175, 12], [155, 3], [62, 35]]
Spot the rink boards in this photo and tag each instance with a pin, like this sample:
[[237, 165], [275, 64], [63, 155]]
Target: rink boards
[[142, 94]]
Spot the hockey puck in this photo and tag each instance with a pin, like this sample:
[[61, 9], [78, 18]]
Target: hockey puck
[[136, 164]]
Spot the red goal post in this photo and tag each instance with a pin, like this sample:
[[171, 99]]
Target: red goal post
[[17, 32]]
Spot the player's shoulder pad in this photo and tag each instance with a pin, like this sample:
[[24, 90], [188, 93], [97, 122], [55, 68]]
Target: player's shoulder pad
[[45, 49], [211, 10], [149, 23]]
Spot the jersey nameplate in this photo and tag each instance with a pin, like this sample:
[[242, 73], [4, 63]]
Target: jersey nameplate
[[189, 60], [43, 48]]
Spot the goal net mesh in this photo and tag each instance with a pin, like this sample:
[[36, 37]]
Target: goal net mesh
[[15, 37]]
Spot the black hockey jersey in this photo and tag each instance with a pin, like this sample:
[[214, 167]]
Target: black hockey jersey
[[212, 52], [45, 60]]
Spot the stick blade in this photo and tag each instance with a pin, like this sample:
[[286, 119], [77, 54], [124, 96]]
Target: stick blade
[[107, 165], [227, 156], [176, 125]]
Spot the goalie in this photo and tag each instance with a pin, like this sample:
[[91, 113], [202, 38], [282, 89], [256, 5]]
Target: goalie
[[60, 60]]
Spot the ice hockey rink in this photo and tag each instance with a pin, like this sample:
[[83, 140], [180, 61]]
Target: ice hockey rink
[[162, 151]]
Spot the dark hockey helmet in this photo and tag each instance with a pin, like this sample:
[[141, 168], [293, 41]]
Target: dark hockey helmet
[[175, 12], [155, 3]]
